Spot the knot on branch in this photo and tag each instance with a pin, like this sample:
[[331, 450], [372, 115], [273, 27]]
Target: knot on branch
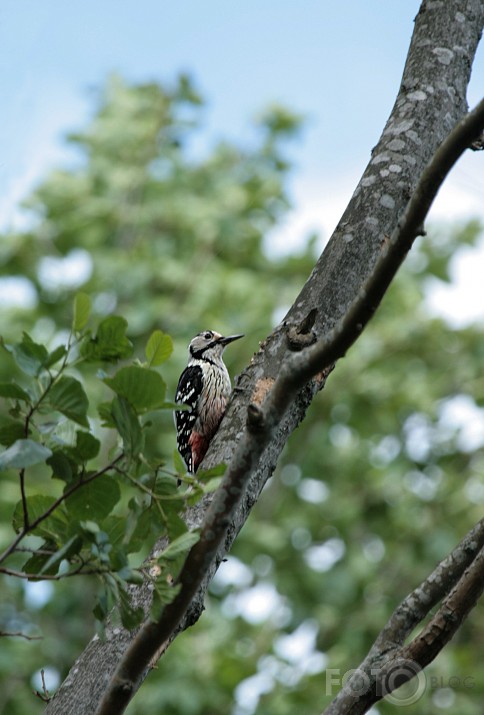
[[302, 335], [255, 418]]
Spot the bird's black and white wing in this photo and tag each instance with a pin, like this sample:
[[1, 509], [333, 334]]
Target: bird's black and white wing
[[187, 393]]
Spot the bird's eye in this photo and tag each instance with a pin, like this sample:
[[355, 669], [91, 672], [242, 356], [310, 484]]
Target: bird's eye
[[208, 335]]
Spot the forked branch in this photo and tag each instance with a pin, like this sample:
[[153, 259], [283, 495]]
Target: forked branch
[[457, 582]]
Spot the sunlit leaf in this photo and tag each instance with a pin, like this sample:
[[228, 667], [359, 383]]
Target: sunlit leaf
[[82, 310], [159, 348], [23, 453]]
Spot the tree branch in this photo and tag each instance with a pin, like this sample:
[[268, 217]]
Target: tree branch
[[389, 663], [263, 421]]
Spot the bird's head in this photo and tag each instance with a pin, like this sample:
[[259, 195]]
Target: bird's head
[[210, 344]]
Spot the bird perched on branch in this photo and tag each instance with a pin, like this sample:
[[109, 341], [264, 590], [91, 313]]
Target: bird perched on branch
[[205, 387]]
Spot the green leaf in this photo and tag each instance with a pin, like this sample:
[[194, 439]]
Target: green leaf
[[163, 594], [110, 343], [62, 467], [94, 500], [168, 405], [29, 356], [128, 426], [87, 447], [82, 311], [11, 431], [14, 392], [180, 545], [55, 356], [23, 453], [159, 348], [174, 524], [217, 471], [105, 413], [52, 527], [138, 527], [101, 608], [37, 561], [180, 466], [166, 485], [70, 548], [68, 397], [143, 388], [115, 528]]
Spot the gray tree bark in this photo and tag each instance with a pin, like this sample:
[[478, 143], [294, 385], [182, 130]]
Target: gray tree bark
[[430, 101]]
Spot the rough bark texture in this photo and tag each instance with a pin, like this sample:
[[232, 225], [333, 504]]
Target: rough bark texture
[[430, 101]]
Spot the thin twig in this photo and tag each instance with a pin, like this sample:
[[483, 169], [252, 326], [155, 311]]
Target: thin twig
[[44, 695], [8, 634]]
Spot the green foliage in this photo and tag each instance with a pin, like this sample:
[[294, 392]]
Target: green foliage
[[86, 527], [110, 343]]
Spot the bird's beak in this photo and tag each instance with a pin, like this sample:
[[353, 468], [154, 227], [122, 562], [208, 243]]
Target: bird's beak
[[229, 339]]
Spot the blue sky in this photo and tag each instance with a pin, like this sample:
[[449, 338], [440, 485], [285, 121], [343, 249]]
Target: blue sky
[[338, 63]]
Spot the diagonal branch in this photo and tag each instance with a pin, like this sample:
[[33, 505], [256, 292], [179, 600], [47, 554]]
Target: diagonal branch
[[456, 607], [459, 579], [263, 421]]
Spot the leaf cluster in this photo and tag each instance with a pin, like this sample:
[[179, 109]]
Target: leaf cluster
[[91, 524]]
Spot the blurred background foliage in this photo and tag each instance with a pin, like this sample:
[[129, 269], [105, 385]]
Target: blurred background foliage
[[381, 480]]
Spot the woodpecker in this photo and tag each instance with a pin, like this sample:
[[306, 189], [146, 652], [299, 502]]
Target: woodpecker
[[205, 387]]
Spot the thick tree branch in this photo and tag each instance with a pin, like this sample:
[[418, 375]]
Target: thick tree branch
[[263, 422], [459, 579], [431, 100]]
